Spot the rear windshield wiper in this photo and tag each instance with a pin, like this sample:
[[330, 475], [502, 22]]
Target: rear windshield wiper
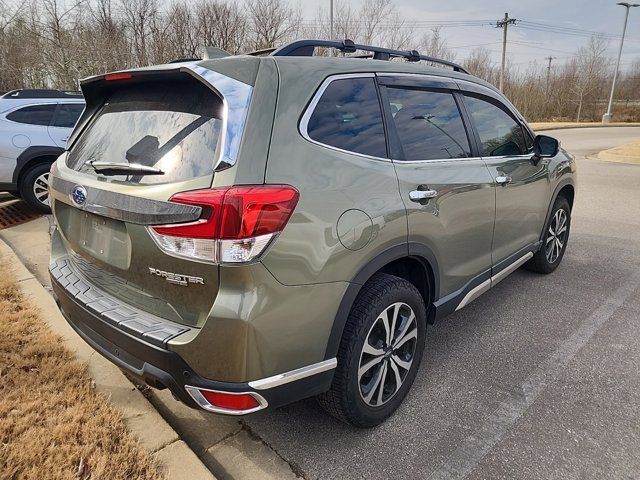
[[116, 168]]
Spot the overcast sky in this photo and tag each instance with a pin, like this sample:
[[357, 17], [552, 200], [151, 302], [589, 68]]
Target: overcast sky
[[532, 43]]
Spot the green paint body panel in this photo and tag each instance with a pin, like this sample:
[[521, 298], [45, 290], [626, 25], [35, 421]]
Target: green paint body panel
[[253, 321]]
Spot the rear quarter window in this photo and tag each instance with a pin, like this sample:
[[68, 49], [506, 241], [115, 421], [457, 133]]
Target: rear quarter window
[[174, 126], [33, 115], [348, 117]]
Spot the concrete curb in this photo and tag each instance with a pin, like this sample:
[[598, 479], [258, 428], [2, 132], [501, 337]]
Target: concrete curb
[[141, 418]]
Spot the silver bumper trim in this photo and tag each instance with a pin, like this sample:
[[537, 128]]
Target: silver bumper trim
[[293, 375], [204, 403]]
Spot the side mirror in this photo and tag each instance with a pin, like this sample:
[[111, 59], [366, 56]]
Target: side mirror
[[545, 147]]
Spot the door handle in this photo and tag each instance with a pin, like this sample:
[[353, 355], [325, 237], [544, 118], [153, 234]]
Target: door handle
[[64, 139], [419, 195], [503, 180]]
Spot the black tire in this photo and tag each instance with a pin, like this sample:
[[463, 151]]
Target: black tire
[[545, 261], [27, 187], [345, 400]]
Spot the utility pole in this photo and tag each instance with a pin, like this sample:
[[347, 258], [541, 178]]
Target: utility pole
[[606, 118], [504, 24], [331, 25], [549, 69]]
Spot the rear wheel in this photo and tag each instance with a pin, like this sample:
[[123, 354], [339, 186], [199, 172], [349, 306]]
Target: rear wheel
[[554, 240], [379, 354], [35, 188]]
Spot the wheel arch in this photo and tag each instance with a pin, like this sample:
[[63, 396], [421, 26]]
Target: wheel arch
[[414, 262], [566, 188], [33, 156]]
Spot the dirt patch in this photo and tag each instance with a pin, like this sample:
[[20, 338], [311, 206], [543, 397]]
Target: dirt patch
[[53, 423]]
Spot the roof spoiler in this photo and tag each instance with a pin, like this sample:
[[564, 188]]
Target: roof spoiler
[[214, 52]]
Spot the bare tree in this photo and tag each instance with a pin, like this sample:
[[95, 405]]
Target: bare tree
[[434, 44], [592, 64], [221, 25], [271, 21], [139, 16], [480, 64]]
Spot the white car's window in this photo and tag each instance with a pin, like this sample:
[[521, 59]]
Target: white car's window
[[33, 115], [68, 114]]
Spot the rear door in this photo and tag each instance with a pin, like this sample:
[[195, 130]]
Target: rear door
[[170, 123], [522, 185], [64, 120], [447, 190]]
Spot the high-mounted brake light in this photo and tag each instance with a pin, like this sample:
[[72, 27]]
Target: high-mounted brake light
[[117, 76], [236, 224]]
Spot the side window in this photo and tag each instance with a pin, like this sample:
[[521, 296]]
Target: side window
[[499, 133], [348, 117], [33, 115], [429, 124], [68, 114]]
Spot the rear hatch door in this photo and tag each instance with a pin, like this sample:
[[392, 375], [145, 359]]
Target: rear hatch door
[[145, 137]]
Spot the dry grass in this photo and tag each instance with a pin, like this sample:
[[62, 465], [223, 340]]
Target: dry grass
[[540, 126], [627, 153], [53, 423]]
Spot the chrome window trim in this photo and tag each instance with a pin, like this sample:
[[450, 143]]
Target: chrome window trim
[[204, 403], [306, 116], [436, 160], [293, 375]]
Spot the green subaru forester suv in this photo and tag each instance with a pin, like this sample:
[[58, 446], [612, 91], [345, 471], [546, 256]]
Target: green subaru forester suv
[[251, 230]]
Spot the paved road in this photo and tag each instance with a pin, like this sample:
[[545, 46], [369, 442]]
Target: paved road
[[539, 378]]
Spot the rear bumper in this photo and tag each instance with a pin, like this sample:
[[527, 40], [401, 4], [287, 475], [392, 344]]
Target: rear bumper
[[161, 368]]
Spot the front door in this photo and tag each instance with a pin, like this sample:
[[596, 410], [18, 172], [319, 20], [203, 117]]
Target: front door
[[448, 194], [522, 185]]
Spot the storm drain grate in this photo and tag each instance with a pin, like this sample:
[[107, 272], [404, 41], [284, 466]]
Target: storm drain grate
[[15, 213]]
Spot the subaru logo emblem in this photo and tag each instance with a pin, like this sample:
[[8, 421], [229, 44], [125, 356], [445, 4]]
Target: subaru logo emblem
[[78, 195]]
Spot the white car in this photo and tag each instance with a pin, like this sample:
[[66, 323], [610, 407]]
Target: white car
[[34, 127]]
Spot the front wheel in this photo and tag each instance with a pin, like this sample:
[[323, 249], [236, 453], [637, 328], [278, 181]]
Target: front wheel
[[554, 240], [379, 354], [35, 188]]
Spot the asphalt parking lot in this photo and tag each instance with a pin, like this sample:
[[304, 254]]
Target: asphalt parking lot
[[538, 378]]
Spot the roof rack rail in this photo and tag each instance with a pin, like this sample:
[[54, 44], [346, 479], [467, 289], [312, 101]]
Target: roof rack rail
[[306, 48], [41, 93]]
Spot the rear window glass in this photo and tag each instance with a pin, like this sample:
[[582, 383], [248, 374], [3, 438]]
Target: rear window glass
[[173, 126], [33, 115], [348, 117]]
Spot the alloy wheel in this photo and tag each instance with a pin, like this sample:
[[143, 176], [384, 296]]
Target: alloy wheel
[[556, 236], [41, 188], [387, 354]]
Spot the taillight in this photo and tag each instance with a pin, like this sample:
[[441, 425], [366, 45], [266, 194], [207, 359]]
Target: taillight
[[236, 224]]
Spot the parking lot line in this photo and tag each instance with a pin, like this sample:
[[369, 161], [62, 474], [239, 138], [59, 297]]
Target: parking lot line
[[475, 446]]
